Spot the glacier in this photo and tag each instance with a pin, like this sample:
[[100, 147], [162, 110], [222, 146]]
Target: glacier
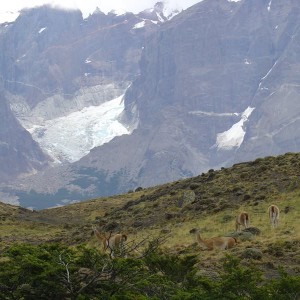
[[69, 138], [234, 136]]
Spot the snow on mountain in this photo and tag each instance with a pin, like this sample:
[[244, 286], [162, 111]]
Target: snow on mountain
[[139, 25], [8, 16], [71, 137], [169, 8], [42, 29], [161, 12], [234, 136], [118, 12]]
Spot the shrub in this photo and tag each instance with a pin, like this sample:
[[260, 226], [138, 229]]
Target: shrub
[[252, 253], [286, 287], [240, 282], [227, 218]]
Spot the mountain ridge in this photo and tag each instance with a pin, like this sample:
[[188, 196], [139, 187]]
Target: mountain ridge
[[192, 78]]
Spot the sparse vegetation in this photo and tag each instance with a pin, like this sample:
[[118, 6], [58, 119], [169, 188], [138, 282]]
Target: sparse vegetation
[[265, 266]]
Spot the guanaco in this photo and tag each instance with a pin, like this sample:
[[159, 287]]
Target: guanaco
[[273, 211], [111, 243], [223, 242], [242, 220]]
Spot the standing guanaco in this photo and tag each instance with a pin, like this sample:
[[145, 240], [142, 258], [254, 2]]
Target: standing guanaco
[[273, 211], [242, 220], [111, 243]]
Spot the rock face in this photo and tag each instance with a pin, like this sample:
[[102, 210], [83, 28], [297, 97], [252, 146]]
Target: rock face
[[216, 84], [19, 154], [54, 63]]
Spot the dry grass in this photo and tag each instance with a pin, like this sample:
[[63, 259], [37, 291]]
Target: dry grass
[[214, 225], [216, 199]]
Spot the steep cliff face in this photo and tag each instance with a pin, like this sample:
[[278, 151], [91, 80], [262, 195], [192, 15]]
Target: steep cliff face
[[274, 126], [19, 154], [216, 84], [229, 70], [52, 55], [202, 100], [54, 63]]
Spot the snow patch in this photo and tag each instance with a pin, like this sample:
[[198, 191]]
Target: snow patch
[[263, 78], [8, 16], [71, 137], [269, 5], [118, 12], [42, 29], [139, 25], [160, 18], [212, 114], [233, 137]]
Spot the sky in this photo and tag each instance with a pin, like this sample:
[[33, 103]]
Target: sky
[[9, 8]]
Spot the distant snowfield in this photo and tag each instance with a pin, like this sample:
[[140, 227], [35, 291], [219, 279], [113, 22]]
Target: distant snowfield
[[71, 137], [234, 136]]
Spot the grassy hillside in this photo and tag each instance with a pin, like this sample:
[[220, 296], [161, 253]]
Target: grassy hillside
[[209, 201]]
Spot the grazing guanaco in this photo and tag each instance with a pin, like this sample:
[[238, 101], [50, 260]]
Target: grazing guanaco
[[242, 220], [111, 243], [222, 243], [273, 211]]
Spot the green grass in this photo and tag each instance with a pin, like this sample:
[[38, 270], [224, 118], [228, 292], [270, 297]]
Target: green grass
[[210, 201]]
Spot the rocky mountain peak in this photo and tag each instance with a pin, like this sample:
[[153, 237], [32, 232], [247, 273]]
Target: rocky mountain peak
[[215, 85]]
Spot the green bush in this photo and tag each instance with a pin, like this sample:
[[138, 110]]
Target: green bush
[[240, 282], [286, 287], [54, 271]]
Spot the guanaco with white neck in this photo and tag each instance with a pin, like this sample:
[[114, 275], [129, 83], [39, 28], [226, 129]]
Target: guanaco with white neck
[[242, 220], [222, 243], [273, 211]]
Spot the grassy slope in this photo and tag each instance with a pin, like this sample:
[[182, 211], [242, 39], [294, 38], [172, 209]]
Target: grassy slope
[[209, 201]]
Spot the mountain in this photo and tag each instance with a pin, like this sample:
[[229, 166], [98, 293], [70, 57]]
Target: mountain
[[55, 68], [214, 85], [19, 153]]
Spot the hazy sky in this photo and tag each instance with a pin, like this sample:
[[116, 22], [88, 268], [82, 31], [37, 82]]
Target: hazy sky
[[88, 6]]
